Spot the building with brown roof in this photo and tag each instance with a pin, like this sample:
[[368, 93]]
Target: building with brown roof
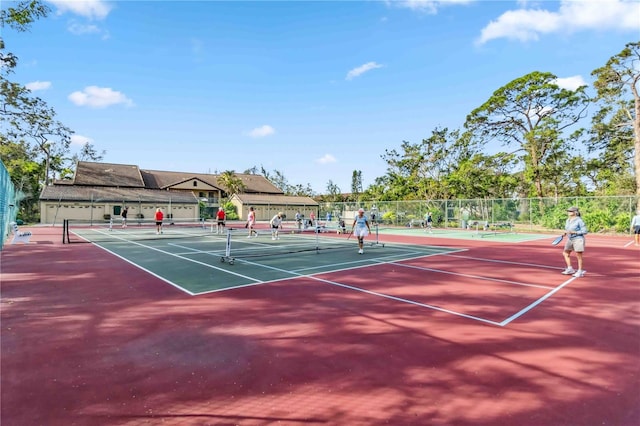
[[99, 191]]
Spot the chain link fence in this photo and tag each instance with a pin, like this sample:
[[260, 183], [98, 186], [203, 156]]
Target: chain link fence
[[9, 199], [601, 214]]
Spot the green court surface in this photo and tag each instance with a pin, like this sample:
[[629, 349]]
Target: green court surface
[[200, 264]]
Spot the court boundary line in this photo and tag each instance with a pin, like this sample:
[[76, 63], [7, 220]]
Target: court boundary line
[[371, 292], [535, 303], [295, 274], [173, 255], [335, 283], [442, 271], [145, 270], [507, 262], [502, 323]]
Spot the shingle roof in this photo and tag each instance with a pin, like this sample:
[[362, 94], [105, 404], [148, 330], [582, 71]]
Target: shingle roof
[[126, 182], [164, 179], [265, 199], [107, 174], [130, 176], [105, 194]]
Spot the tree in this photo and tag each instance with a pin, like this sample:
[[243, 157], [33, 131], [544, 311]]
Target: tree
[[422, 170], [616, 125], [87, 153], [279, 180], [231, 183], [531, 113], [19, 18], [484, 176], [356, 184], [31, 139], [333, 193], [33, 122]]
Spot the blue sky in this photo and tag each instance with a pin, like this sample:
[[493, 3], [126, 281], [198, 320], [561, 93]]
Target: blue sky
[[315, 90]]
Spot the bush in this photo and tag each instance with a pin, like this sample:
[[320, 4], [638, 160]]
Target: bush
[[389, 217]]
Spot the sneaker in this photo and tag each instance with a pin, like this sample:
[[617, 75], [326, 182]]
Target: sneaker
[[248, 236], [579, 273], [568, 271], [360, 251], [273, 238]]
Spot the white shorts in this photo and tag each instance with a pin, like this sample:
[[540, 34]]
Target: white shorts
[[360, 232]]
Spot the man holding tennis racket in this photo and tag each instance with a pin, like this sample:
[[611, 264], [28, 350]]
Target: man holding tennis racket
[[575, 230], [360, 229]]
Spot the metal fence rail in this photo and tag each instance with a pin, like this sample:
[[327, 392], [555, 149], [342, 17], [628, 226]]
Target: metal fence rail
[[601, 214]]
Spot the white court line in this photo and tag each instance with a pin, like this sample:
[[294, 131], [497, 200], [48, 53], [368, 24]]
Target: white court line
[[146, 270], [179, 257], [373, 293], [629, 243], [298, 275], [507, 262], [534, 304], [474, 276], [366, 260]]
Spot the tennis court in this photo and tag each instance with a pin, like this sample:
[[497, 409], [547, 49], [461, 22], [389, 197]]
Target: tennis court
[[420, 329]]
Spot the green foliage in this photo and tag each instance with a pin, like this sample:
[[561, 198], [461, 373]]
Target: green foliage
[[231, 183], [389, 217], [230, 211], [614, 127]]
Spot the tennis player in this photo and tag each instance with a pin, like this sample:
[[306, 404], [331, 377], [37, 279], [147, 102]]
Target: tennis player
[[276, 223], [125, 210], [635, 227], [360, 229], [428, 223], [575, 230], [159, 218], [220, 216], [251, 223]]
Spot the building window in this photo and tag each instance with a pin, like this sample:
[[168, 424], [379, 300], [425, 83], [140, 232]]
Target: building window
[[195, 183]]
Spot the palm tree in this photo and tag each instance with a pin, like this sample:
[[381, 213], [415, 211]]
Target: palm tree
[[231, 183]]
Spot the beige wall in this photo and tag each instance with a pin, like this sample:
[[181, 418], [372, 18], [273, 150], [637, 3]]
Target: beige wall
[[52, 212]]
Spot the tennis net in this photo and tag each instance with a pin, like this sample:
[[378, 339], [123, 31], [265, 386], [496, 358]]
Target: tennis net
[[239, 245], [82, 231]]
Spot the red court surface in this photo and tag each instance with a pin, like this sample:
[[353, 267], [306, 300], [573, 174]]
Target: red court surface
[[476, 337]]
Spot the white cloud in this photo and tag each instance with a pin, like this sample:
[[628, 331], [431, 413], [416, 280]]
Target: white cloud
[[572, 16], [91, 9], [570, 83], [356, 72], [38, 85], [81, 29], [262, 131], [326, 159], [428, 6], [80, 140], [99, 97]]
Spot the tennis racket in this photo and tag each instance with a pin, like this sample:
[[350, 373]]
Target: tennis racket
[[557, 240], [350, 234]]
